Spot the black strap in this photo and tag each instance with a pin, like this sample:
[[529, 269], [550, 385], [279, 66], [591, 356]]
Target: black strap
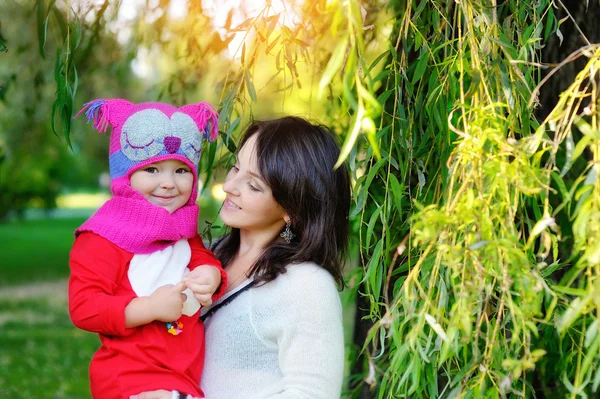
[[226, 301]]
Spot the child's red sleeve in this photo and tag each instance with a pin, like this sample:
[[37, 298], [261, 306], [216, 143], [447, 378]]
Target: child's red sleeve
[[202, 256], [94, 303]]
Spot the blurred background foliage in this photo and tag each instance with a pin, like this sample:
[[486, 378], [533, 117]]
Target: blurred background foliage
[[470, 128]]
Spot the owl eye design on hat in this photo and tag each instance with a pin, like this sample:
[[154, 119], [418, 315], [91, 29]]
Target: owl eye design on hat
[[149, 132]]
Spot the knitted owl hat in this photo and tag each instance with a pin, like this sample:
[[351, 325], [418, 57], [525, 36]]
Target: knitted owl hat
[[143, 134]]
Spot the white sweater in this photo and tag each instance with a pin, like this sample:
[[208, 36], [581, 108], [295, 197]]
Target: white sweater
[[280, 340]]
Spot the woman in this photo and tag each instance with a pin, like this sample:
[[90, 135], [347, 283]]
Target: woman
[[277, 332]]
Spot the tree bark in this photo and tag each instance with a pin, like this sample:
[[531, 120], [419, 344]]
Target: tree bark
[[586, 15]]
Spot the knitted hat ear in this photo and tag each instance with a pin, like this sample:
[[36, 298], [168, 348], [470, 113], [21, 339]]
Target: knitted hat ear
[[205, 117], [107, 112]]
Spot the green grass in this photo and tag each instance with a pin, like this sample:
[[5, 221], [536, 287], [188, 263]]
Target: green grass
[[41, 354], [36, 250]]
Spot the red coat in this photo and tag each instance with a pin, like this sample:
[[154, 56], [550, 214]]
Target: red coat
[[132, 360]]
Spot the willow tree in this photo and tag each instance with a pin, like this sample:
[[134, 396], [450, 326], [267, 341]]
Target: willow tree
[[469, 290], [478, 224]]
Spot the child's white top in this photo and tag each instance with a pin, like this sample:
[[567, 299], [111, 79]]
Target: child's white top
[[280, 340]]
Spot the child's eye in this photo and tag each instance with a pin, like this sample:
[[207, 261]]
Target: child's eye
[[151, 169], [182, 170], [235, 168]]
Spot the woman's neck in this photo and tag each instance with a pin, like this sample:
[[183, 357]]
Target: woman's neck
[[253, 243]]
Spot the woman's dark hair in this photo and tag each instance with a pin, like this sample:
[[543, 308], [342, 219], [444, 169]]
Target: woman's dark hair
[[296, 160]]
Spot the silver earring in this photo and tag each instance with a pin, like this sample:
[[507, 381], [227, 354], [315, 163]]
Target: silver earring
[[287, 234]]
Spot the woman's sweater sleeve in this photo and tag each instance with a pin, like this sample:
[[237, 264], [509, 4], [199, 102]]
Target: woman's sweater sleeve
[[307, 329], [96, 267]]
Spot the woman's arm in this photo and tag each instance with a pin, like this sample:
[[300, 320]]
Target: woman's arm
[[309, 335]]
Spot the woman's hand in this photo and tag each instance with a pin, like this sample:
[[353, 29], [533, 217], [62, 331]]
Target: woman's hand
[[162, 394]]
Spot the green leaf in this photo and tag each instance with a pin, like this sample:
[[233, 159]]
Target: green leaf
[[550, 24], [385, 95], [368, 126], [272, 20], [374, 108], [561, 185], [573, 154], [584, 191], [587, 129], [75, 83], [591, 333], [420, 68], [76, 35], [596, 382], [228, 141], [382, 75], [377, 60], [591, 355], [53, 117], [439, 330], [61, 21], [41, 26], [348, 83], [397, 192], [393, 51], [232, 126], [250, 87], [212, 151], [364, 188], [373, 275], [569, 148], [371, 226], [271, 45], [575, 309], [351, 138], [334, 64]]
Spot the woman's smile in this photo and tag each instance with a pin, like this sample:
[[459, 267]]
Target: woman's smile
[[230, 205]]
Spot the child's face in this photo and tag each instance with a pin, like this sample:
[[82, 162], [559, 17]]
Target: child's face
[[167, 184]]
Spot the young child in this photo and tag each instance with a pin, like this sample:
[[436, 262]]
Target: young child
[[133, 259]]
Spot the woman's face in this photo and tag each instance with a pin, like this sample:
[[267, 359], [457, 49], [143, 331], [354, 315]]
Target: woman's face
[[249, 204]]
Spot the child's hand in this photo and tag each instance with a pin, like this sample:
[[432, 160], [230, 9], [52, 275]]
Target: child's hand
[[203, 281], [167, 302]]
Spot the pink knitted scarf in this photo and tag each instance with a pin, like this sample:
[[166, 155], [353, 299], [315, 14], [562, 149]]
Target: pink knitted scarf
[[135, 225]]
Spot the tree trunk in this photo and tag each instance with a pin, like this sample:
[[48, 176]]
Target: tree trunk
[[587, 17]]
